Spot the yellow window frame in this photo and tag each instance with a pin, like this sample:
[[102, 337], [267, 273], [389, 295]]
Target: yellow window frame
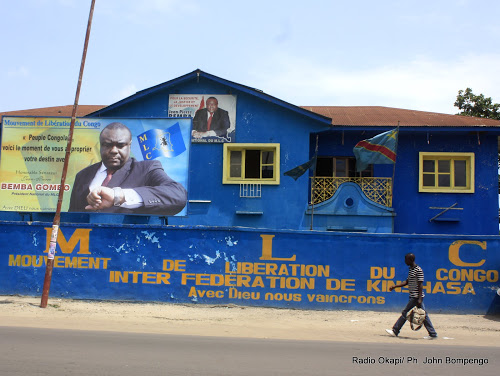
[[437, 156], [229, 147]]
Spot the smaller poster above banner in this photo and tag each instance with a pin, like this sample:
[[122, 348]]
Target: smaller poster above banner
[[214, 115]]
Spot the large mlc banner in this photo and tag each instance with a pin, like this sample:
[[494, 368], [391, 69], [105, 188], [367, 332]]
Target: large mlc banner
[[292, 269], [34, 149]]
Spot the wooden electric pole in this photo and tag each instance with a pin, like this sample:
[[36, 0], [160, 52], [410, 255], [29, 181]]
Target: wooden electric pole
[[57, 216]]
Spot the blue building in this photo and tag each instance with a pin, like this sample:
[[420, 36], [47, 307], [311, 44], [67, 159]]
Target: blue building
[[445, 180], [247, 235]]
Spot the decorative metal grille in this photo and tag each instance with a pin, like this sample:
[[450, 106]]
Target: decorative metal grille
[[378, 190], [250, 190]]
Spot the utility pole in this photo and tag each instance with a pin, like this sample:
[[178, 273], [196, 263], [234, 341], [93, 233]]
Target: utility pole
[[57, 216]]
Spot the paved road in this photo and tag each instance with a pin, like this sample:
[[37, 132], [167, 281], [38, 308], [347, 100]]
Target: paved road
[[27, 351]]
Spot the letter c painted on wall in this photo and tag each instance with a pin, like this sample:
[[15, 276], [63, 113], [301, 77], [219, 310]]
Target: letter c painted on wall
[[454, 252]]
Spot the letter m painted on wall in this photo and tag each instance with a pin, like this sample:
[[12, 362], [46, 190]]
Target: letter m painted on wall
[[81, 235]]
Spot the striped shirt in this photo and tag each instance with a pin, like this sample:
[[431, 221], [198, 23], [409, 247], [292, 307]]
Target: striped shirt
[[415, 275]]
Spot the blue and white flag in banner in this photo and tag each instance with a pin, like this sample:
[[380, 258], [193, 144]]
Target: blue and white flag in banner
[[162, 142]]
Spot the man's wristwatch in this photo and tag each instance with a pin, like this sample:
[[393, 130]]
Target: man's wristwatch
[[118, 196]]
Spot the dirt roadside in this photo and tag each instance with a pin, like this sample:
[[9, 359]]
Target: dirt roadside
[[238, 321]]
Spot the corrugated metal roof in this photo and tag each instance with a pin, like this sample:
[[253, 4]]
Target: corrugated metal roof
[[65, 111], [387, 116], [340, 115]]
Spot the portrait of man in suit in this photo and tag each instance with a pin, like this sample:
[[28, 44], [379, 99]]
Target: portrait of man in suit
[[121, 184], [210, 121]]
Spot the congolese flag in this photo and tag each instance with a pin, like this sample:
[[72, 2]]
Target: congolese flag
[[298, 171], [380, 149], [162, 142]]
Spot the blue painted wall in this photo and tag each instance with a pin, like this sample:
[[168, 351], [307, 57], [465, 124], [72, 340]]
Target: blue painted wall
[[294, 269], [350, 210], [480, 209]]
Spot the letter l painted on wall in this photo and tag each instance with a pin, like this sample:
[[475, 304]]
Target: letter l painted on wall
[[267, 250]]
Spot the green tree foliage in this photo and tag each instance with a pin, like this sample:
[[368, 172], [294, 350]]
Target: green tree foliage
[[470, 104], [479, 106]]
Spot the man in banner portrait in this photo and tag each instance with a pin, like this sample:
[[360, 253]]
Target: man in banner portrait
[[121, 184], [211, 121]]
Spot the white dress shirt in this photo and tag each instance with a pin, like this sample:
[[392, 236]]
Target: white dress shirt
[[132, 198]]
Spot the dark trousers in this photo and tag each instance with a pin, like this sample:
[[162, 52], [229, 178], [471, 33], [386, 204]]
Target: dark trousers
[[401, 321]]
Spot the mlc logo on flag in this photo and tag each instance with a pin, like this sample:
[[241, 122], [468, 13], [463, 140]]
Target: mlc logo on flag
[[162, 142], [379, 149]]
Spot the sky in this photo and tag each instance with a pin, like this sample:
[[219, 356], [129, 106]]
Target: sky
[[405, 54]]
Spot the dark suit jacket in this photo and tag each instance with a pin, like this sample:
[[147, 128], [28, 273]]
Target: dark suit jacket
[[220, 122], [161, 194]]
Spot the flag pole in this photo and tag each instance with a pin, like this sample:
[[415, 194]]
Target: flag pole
[[394, 164], [57, 216], [313, 182]]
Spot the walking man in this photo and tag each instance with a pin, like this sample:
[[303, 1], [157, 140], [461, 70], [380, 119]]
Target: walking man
[[415, 283]]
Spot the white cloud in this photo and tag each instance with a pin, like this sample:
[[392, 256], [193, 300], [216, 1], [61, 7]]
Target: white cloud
[[146, 11], [68, 3], [21, 71], [422, 84], [165, 5], [125, 92], [65, 3]]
